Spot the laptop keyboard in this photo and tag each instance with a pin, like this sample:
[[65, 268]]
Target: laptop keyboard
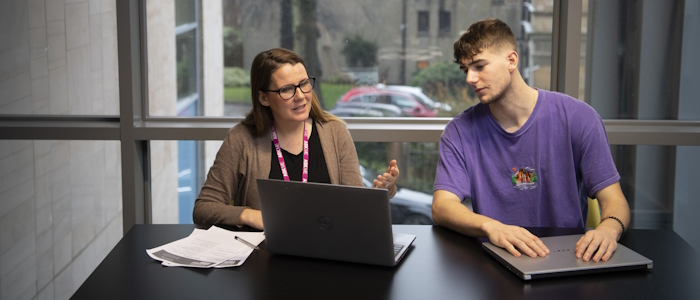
[[397, 248]]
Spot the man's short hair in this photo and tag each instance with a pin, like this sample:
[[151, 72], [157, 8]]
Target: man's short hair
[[482, 35]]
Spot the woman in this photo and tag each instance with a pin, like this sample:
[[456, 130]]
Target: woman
[[270, 143]]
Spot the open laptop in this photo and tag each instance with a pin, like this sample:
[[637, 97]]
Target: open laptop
[[330, 222], [562, 260]]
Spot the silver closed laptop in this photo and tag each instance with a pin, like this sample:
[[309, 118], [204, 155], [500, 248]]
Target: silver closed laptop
[[330, 222], [562, 260]]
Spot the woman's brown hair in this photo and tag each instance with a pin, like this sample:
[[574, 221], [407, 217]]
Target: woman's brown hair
[[260, 117]]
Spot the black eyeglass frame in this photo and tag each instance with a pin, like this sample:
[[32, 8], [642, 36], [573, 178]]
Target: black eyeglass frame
[[311, 80]]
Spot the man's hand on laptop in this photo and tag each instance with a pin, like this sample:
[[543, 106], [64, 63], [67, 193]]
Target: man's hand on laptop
[[597, 244], [514, 238]]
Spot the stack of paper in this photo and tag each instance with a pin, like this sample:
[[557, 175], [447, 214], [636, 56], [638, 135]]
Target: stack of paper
[[212, 248]]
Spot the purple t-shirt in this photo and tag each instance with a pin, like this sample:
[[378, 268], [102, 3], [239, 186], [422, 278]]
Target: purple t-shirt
[[539, 176]]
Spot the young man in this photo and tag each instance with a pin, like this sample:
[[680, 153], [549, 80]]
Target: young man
[[525, 157]]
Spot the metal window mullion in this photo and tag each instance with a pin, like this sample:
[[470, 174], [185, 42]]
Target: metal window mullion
[[45, 127], [620, 132], [566, 46], [131, 37], [143, 147]]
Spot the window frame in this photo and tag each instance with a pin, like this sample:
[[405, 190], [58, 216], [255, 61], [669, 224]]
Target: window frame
[[444, 23], [423, 30]]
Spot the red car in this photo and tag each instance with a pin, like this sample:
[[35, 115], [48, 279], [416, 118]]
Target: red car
[[409, 105]]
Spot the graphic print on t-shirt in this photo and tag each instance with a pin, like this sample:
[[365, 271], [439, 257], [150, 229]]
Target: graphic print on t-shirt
[[524, 178]]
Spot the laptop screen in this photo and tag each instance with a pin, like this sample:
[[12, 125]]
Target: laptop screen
[[327, 221]]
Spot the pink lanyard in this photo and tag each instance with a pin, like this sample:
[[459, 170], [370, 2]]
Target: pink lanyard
[[283, 166]]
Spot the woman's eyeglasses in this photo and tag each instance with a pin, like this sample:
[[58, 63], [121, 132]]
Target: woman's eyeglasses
[[287, 92]]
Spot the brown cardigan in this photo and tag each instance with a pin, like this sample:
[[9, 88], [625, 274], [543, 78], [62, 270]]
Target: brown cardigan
[[231, 187]]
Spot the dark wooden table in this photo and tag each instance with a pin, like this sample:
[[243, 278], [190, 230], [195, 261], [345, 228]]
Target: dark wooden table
[[441, 264]]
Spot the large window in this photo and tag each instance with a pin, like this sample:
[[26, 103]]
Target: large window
[[379, 76], [369, 49], [384, 76], [69, 87], [354, 51]]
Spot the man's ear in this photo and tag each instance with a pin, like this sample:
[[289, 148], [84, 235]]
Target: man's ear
[[512, 60], [262, 98]]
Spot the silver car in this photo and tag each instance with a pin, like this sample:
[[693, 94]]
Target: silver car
[[418, 93], [365, 109]]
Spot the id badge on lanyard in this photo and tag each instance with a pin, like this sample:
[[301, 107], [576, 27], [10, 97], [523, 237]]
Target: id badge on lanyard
[[280, 158]]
